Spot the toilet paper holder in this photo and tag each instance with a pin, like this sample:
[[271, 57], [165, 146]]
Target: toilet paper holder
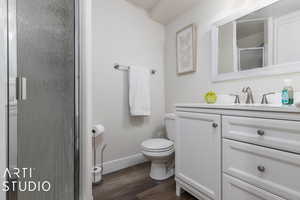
[[97, 131]]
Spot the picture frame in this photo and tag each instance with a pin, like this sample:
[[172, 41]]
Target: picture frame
[[186, 50]]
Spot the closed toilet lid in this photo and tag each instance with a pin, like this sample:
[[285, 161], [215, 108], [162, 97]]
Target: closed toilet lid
[[158, 144]]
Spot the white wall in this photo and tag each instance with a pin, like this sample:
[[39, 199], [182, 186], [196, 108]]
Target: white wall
[[86, 100], [125, 34], [192, 87], [287, 39]]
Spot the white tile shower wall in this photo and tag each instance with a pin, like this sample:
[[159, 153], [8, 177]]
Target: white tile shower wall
[[191, 87], [125, 34]]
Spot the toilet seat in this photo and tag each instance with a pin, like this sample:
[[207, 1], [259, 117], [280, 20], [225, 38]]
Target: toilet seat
[[158, 145]]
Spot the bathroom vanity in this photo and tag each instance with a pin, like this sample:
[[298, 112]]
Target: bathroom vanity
[[251, 151], [233, 152]]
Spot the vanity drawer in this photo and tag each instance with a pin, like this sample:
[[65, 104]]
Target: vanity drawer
[[235, 189], [275, 171], [278, 134]]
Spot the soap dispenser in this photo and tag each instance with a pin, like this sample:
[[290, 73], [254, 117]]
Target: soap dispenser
[[287, 96]]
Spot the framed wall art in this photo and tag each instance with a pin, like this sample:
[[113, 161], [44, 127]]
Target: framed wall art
[[186, 44]]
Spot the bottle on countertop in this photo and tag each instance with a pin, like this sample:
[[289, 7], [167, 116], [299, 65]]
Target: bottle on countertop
[[287, 96]]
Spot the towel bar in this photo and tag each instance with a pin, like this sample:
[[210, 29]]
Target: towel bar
[[126, 68]]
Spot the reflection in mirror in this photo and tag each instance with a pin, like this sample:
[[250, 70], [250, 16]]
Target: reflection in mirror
[[250, 40], [267, 37], [227, 40]]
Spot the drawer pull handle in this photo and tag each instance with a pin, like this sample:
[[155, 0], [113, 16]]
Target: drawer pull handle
[[261, 168], [261, 132], [215, 125]]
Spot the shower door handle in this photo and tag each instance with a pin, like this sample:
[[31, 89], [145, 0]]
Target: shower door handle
[[24, 88], [21, 88]]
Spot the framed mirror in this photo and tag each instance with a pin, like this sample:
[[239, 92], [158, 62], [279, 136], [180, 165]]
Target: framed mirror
[[258, 41]]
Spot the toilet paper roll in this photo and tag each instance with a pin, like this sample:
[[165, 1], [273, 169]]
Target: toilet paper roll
[[98, 130]]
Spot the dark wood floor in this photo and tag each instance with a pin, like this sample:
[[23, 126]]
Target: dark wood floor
[[134, 183]]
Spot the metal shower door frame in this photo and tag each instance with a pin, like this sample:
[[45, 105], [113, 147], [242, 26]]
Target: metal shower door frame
[[77, 102], [3, 89]]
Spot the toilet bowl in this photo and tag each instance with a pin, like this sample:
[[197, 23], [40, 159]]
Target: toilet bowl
[[161, 152]]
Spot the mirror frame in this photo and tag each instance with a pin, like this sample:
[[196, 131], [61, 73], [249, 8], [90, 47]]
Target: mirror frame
[[266, 71]]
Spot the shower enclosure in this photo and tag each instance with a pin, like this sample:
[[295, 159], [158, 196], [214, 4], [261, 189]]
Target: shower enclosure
[[42, 111]]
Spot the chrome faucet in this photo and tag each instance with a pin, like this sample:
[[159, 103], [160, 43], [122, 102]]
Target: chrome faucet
[[264, 99], [248, 91]]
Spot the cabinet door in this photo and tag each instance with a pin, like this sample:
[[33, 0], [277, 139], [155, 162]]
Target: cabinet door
[[234, 189], [198, 152]]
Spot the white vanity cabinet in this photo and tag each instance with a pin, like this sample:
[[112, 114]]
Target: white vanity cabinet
[[238, 152], [198, 154]]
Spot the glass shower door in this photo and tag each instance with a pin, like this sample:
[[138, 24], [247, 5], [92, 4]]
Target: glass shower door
[[43, 131]]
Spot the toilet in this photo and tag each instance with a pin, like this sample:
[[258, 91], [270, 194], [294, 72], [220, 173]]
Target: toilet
[[161, 151]]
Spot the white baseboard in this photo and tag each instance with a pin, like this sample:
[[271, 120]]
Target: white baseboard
[[122, 163]]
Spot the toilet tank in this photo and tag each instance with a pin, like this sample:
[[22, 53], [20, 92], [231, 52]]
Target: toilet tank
[[170, 123]]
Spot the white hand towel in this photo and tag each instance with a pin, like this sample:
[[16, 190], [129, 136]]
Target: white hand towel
[[139, 91]]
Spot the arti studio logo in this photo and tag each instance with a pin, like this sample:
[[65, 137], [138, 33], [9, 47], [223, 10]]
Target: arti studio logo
[[22, 180]]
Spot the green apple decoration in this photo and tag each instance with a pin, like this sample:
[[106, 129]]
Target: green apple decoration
[[210, 97]]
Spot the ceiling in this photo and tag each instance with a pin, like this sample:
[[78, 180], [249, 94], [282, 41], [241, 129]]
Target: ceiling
[[275, 10], [165, 11]]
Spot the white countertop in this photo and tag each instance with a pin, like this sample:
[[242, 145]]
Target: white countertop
[[247, 107]]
